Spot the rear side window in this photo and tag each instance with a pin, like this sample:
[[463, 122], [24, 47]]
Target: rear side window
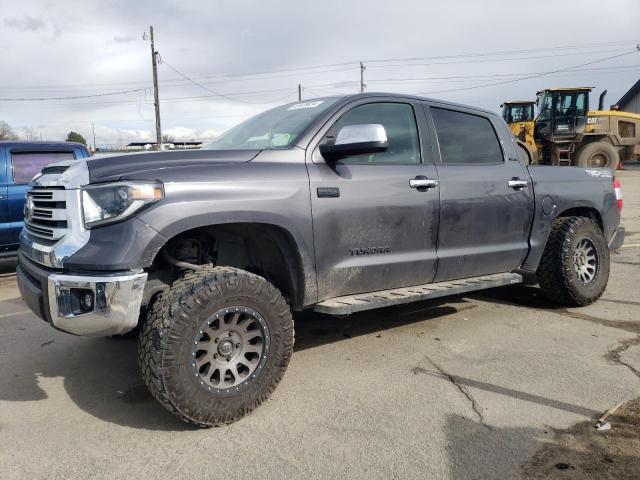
[[465, 138], [26, 165]]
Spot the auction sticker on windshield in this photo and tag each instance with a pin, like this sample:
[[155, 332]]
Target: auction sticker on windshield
[[298, 106]]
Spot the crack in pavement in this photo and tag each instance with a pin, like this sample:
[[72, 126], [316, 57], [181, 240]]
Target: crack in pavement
[[633, 327], [475, 406], [621, 302], [615, 355]]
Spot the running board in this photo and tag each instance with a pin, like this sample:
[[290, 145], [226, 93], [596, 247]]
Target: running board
[[398, 296]]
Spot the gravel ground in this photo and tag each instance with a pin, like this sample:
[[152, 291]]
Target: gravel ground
[[499, 384]]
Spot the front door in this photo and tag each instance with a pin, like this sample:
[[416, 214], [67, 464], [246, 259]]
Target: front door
[[485, 195], [373, 230]]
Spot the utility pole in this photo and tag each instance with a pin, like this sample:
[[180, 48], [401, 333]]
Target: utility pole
[[299, 92], [362, 69], [156, 97], [93, 129]]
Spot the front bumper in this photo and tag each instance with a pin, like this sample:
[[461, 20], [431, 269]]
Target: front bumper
[[50, 294], [617, 239]]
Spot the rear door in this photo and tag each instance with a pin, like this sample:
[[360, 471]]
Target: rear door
[[372, 229], [22, 165], [486, 200]]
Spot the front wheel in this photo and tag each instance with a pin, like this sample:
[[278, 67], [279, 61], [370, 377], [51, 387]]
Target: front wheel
[[574, 269], [215, 345]]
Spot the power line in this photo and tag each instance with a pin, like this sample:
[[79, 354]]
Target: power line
[[614, 69], [233, 96], [496, 60], [508, 52], [332, 88], [206, 88], [536, 75], [74, 97], [350, 64]]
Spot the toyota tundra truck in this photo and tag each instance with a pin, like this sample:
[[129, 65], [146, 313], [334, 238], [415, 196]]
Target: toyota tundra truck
[[337, 205]]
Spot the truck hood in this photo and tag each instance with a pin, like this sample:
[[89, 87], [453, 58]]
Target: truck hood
[[139, 165]]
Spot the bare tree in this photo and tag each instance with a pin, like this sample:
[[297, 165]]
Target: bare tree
[[29, 133], [6, 132]]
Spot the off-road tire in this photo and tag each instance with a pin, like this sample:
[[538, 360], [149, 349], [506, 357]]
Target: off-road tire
[[166, 341], [556, 273], [600, 149]]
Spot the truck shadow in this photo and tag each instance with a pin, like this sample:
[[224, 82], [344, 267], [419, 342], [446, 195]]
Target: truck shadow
[[315, 329], [101, 375]]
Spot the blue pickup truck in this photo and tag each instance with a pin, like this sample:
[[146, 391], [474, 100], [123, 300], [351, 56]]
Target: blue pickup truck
[[19, 163]]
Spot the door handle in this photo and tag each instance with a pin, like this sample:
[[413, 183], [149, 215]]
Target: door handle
[[517, 184], [423, 183]]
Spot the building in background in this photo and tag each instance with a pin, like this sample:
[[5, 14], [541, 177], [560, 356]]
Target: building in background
[[630, 101], [174, 145]]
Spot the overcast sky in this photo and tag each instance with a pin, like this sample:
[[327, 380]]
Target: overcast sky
[[73, 48]]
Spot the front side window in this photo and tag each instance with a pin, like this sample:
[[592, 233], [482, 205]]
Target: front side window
[[274, 129], [27, 165], [465, 138], [400, 126]]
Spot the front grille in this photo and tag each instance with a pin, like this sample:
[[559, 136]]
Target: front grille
[[46, 213]]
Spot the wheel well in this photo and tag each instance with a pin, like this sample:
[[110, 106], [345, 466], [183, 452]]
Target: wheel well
[[593, 138], [266, 250], [587, 212]]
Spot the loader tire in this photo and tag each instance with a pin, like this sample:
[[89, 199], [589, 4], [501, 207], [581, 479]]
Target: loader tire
[[598, 154]]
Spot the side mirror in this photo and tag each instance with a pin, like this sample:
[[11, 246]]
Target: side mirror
[[356, 140]]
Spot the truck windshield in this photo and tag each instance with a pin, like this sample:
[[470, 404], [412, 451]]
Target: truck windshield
[[274, 129]]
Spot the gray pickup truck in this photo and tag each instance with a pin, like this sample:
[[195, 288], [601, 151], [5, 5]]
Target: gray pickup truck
[[336, 204]]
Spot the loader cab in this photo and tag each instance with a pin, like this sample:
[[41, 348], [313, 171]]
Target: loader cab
[[562, 113], [520, 115], [518, 111]]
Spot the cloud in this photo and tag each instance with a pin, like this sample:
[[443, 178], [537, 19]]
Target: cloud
[[124, 38], [26, 24], [100, 51], [180, 133]]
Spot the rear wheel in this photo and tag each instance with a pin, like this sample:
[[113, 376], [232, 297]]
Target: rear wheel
[[215, 345], [598, 154], [574, 269]]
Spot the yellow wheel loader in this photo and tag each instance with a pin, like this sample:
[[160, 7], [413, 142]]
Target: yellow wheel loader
[[566, 132], [520, 116]]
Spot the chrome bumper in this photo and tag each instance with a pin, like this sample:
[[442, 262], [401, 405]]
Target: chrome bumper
[[116, 303], [54, 297]]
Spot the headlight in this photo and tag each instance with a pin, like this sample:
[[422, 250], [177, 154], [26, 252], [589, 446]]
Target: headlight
[[113, 202]]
